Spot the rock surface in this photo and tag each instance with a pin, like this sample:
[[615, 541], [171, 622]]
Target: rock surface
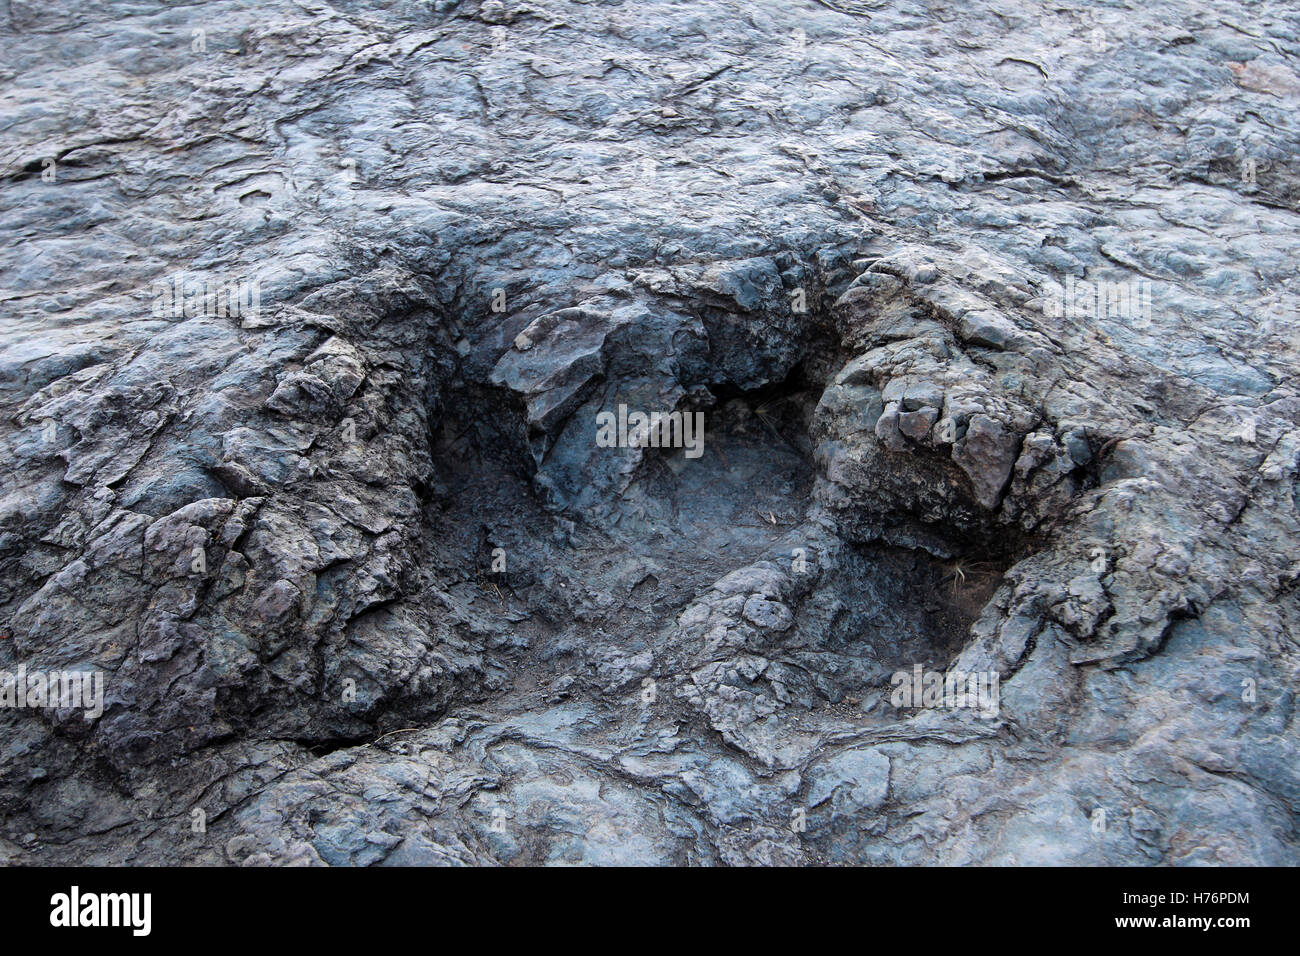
[[991, 315]]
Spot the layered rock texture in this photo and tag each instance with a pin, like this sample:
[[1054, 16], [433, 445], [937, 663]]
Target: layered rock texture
[[310, 309]]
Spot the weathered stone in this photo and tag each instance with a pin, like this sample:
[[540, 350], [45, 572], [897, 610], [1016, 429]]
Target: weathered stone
[[300, 376]]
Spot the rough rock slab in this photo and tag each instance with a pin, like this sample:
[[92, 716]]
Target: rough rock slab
[[310, 309]]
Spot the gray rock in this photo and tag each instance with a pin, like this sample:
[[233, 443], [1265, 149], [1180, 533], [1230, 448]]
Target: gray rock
[[301, 374]]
